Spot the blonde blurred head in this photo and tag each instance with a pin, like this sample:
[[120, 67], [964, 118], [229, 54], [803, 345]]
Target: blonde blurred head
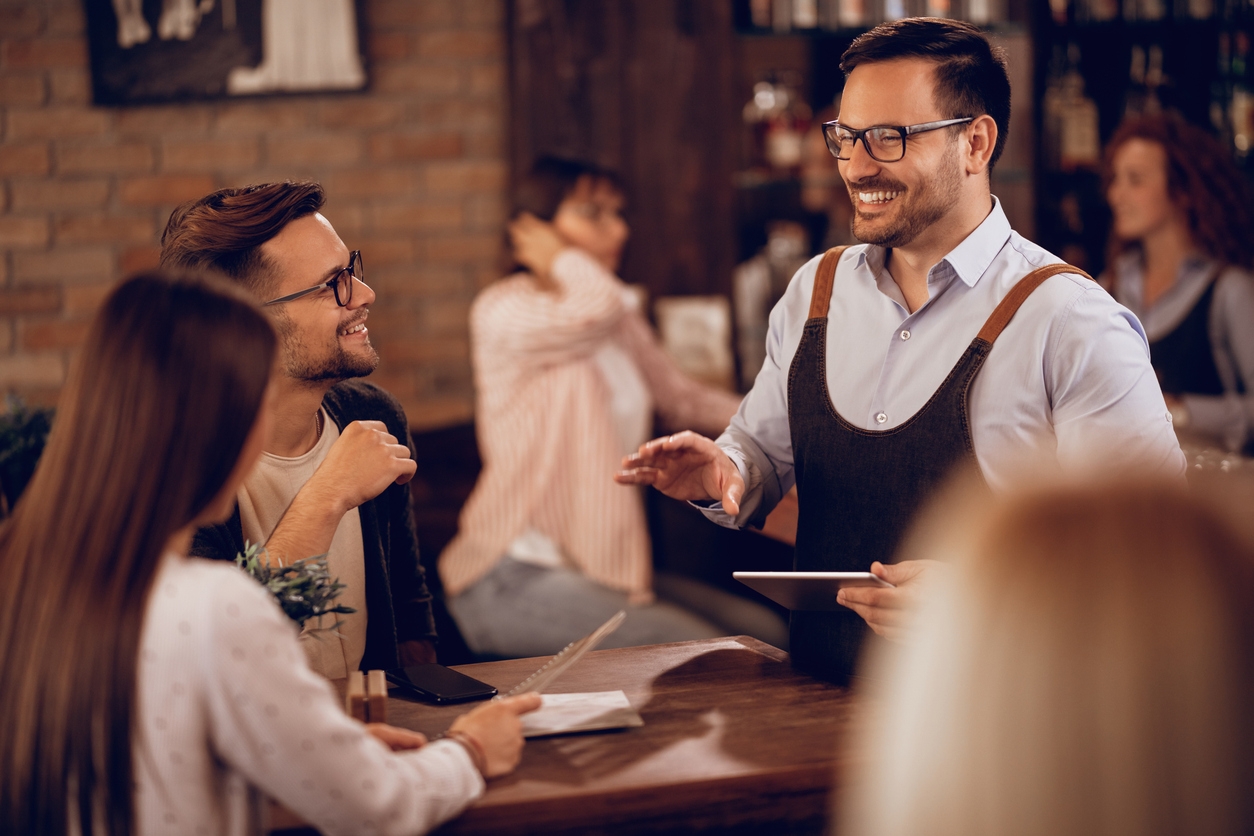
[[1088, 668]]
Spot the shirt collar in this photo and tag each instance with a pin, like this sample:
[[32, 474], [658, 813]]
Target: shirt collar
[[971, 258]]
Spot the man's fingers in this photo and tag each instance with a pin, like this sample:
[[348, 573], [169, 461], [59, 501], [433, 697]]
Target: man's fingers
[[731, 498], [637, 476], [523, 703], [868, 596]]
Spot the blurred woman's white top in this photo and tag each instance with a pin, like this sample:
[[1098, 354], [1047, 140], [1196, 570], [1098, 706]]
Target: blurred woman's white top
[[228, 711]]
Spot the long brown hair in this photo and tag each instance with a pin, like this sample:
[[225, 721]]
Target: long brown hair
[[1089, 669], [1202, 180], [224, 231], [152, 421]]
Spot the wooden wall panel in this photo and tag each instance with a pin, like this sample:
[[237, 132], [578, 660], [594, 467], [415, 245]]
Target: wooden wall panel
[[644, 87]]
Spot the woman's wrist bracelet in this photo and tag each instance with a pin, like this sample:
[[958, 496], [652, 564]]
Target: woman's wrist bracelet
[[473, 748]]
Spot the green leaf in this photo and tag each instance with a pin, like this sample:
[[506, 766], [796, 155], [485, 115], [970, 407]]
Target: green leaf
[[304, 588]]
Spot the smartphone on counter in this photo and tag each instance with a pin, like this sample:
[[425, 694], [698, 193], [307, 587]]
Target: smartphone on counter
[[438, 684]]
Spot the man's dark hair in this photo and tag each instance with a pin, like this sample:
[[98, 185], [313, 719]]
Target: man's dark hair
[[225, 230], [971, 77], [551, 180]]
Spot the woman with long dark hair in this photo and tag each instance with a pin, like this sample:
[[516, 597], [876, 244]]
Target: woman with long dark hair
[[1182, 246], [147, 692]]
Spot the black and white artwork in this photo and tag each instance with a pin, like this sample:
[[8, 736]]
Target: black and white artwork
[[172, 50]]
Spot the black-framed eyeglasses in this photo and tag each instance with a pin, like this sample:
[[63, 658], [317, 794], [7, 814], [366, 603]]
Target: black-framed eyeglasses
[[884, 143], [341, 283]]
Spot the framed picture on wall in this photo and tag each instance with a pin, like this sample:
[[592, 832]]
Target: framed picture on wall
[[145, 51]]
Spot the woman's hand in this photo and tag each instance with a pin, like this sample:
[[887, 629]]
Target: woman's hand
[[397, 739], [495, 728], [536, 243]]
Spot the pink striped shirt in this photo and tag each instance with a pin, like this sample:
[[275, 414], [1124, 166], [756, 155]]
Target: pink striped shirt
[[546, 433]]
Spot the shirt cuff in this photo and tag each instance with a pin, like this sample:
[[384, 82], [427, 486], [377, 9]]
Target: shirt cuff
[[713, 509]]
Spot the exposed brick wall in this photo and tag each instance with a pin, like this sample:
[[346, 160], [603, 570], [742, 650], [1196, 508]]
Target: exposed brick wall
[[414, 167]]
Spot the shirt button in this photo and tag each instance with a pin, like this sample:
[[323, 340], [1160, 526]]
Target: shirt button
[[905, 335], [881, 418]]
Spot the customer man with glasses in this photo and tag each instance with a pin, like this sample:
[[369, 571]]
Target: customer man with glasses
[[937, 342], [333, 479]]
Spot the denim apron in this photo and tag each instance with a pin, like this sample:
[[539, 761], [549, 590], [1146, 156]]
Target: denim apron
[[1185, 359], [857, 489]]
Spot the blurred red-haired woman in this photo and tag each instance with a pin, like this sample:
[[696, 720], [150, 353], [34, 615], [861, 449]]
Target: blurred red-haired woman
[[1182, 245]]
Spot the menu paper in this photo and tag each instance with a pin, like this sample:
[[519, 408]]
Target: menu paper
[[569, 713]]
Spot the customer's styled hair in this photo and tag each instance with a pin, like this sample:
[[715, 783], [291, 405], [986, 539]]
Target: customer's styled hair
[[1202, 180], [149, 427], [971, 77], [225, 230], [1089, 670], [551, 180]]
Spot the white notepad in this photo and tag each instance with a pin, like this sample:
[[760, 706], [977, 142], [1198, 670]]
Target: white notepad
[[568, 713]]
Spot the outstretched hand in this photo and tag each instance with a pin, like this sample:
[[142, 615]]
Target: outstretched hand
[[685, 466]]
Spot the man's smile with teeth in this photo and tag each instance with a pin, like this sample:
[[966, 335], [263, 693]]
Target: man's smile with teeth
[[360, 326], [877, 197]]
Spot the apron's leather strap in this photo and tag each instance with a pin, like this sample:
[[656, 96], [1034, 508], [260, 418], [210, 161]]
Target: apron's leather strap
[[1004, 312], [996, 323], [823, 279]]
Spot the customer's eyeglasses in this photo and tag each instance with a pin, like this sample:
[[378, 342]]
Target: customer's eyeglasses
[[885, 143], [341, 283]]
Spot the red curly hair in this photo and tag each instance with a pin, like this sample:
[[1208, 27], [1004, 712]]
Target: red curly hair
[[1202, 179]]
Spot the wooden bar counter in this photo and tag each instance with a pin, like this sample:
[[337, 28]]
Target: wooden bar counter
[[734, 740]]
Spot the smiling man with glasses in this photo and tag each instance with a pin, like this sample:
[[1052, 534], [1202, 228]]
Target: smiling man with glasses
[[333, 479], [944, 339]]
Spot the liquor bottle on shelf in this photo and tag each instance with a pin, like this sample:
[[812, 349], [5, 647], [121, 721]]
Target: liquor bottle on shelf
[[778, 119], [760, 12], [1098, 11], [1145, 78], [1144, 9], [805, 14], [1071, 125], [1195, 9], [1241, 104], [1221, 90], [781, 16]]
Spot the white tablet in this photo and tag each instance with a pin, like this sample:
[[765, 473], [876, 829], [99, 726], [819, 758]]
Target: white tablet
[[808, 591]]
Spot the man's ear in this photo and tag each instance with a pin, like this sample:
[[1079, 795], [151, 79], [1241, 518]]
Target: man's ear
[[981, 139]]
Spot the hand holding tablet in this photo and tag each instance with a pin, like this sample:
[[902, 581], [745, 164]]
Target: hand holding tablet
[[807, 591]]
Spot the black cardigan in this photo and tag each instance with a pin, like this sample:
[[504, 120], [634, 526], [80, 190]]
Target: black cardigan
[[398, 603]]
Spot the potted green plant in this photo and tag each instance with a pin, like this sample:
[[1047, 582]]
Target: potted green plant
[[303, 588], [23, 433]]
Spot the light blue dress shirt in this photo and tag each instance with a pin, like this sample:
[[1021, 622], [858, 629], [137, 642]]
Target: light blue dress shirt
[[1068, 382]]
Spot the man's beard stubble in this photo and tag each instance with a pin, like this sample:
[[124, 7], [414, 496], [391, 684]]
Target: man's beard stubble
[[335, 364], [923, 207]]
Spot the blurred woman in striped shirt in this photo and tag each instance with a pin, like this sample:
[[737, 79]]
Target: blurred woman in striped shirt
[[568, 375]]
